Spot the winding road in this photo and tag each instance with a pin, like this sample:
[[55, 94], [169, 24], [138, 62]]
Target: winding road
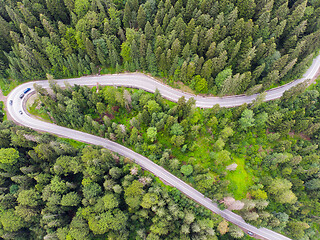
[[20, 115]]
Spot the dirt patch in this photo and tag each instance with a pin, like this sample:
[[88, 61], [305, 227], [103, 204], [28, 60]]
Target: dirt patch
[[2, 97], [248, 196], [317, 75], [302, 135], [184, 87]]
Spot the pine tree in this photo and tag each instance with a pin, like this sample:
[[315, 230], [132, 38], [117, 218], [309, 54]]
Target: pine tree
[[211, 51], [141, 18], [115, 22], [176, 48], [280, 63], [288, 67], [258, 71], [148, 31], [46, 24], [151, 60], [271, 78], [43, 62], [4, 30], [191, 5], [186, 52], [17, 20], [207, 70], [69, 4], [194, 43], [127, 16], [279, 29], [232, 17], [28, 17], [219, 63], [296, 15], [58, 10], [91, 50], [189, 31], [246, 8]]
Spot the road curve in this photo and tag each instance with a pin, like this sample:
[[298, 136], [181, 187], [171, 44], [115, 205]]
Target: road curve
[[19, 114]]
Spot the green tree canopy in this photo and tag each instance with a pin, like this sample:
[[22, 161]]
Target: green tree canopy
[[8, 158], [29, 198], [186, 170]]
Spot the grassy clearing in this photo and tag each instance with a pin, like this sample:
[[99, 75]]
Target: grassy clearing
[[108, 70], [240, 179], [33, 109], [183, 87], [124, 117], [201, 153], [73, 143]]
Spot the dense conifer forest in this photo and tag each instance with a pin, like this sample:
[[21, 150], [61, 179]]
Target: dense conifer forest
[[221, 47], [260, 160]]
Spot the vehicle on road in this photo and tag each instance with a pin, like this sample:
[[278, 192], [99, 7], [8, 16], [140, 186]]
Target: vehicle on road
[[20, 112], [21, 95], [10, 102], [26, 90], [250, 233]]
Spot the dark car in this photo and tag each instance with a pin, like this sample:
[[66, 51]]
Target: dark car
[[250, 233], [27, 90], [21, 95], [20, 112], [10, 102]]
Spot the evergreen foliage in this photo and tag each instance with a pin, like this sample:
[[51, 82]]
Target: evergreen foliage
[[220, 47], [88, 193], [275, 145]]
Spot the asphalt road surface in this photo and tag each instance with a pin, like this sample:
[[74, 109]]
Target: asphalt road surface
[[20, 115]]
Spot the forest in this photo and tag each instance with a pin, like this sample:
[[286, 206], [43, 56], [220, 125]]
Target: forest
[[260, 160], [58, 189], [219, 47]]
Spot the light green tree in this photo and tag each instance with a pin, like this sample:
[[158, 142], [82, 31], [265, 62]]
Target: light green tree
[[200, 84], [10, 221], [226, 132], [219, 145], [153, 106], [8, 158], [133, 194], [176, 129], [29, 198], [235, 231], [149, 200], [223, 75], [110, 201], [126, 51], [152, 133], [186, 170], [247, 120], [70, 199]]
